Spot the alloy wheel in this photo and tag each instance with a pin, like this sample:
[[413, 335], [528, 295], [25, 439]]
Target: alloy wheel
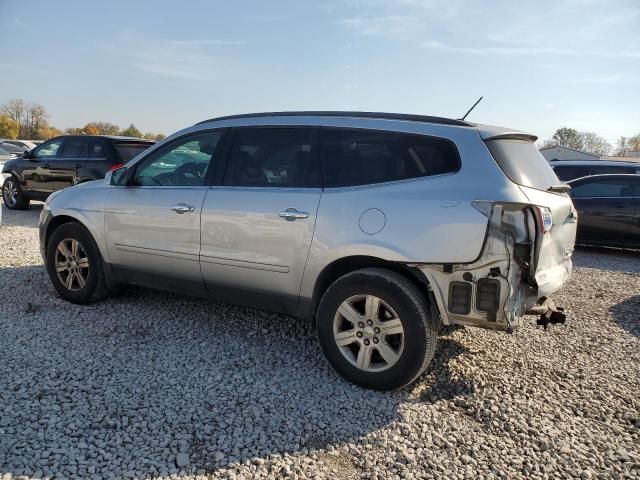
[[368, 333], [10, 193], [72, 264]]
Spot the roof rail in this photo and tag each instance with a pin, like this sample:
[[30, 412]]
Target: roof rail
[[378, 115]]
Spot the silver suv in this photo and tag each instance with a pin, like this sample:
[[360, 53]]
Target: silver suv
[[378, 227]]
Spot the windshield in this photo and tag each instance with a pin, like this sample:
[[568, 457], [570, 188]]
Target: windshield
[[129, 150], [521, 161]]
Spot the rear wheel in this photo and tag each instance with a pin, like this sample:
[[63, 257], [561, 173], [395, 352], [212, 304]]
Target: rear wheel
[[375, 328], [74, 264], [13, 196]]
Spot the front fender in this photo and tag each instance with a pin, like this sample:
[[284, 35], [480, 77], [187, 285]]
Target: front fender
[[84, 204]]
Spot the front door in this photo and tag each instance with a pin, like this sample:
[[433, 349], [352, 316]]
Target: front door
[[605, 209], [258, 226], [153, 224], [37, 167], [65, 168]]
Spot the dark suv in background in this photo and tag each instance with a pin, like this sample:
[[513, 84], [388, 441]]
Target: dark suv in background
[[62, 162]]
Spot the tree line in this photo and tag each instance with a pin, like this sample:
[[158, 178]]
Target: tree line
[[592, 143], [30, 121]]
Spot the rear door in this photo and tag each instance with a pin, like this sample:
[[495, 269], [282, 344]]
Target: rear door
[[98, 160], [606, 209], [66, 167], [258, 225]]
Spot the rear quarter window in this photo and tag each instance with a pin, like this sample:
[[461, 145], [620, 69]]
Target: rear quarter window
[[354, 157], [521, 161], [128, 150]]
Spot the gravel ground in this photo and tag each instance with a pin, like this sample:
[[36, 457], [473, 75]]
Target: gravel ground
[[152, 385]]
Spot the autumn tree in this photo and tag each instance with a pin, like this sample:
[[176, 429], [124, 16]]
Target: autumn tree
[[30, 117], [15, 109], [9, 128], [154, 136], [634, 143], [132, 131], [45, 133], [106, 128], [90, 129]]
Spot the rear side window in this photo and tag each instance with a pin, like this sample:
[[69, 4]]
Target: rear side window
[[128, 150], [74, 148], [521, 161], [272, 157], [363, 157], [96, 150], [611, 169], [568, 172], [603, 188]]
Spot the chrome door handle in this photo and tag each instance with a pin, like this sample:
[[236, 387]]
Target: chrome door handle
[[291, 214], [182, 208]]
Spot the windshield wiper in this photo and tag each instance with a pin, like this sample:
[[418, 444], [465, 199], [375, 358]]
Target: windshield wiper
[[560, 188]]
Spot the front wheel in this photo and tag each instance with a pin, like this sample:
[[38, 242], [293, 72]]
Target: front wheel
[[74, 264], [13, 196], [375, 329]]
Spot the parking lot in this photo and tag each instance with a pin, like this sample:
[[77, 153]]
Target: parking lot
[[149, 385]]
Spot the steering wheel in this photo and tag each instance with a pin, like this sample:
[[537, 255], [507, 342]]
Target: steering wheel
[[190, 170]]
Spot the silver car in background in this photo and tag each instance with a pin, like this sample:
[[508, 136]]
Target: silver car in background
[[379, 227]]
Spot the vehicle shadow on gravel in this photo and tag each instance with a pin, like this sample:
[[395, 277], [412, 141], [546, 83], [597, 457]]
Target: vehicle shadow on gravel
[[443, 385], [147, 380], [627, 314], [20, 218]]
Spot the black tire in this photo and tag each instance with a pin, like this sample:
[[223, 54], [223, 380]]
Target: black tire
[[413, 310], [21, 201], [94, 288]]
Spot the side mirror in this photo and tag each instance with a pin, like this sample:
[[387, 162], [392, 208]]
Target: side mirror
[[28, 155], [117, 176]]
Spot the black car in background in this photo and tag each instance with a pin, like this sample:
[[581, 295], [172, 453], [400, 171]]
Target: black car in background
[[570, 169], [62, 162], [608, 210]]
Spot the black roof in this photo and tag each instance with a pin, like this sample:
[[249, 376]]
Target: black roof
[[110, 137], [377, 115]]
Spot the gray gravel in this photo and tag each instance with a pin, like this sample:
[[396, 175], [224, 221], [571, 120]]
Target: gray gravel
[[152, 385]]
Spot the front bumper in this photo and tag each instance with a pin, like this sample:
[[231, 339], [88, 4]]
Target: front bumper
[[43, 224]]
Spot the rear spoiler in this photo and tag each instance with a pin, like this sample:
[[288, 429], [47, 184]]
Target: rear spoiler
[[526, 137], [490, 132]]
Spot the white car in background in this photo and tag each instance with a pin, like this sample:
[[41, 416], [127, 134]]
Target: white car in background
[[24, 145], [4, 156]]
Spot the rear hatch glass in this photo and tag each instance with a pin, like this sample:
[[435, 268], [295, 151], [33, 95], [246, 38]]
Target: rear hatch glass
[[521, 161], [128, 150]]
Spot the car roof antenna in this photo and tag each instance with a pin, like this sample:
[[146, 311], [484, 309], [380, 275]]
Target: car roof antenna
[[472, 107]]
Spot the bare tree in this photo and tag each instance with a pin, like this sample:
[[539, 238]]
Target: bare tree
[[593, 143], [568, 137], [623, 148], [15, 109]]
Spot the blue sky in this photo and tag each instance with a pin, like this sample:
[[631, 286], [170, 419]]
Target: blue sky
[[165, 65]]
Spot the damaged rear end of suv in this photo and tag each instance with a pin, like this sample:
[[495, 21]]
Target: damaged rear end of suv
[[526, 254]]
